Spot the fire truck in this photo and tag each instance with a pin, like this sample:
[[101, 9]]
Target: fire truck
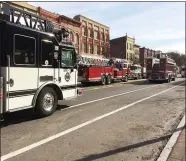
[[137, 71], [165, 70], [151, 63], [183, 73], [104, 71], [37, 65]]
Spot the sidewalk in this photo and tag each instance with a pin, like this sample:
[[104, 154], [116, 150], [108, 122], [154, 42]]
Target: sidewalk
[[178, 151]]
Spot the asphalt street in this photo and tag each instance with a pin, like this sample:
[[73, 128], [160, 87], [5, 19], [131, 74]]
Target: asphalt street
[[119, 122]]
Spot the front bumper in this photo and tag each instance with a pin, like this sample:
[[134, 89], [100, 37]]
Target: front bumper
[[157, 79]]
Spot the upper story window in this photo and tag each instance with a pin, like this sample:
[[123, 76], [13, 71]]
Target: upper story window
[[71, 36], [77, 39], [90, 35], [90, 49], [84, 31], [84, 47]]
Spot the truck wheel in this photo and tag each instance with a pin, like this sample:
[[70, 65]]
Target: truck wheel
[[46, 102], [173, 79], [109, 80], [103, 80], [168, 80], [125, 79]]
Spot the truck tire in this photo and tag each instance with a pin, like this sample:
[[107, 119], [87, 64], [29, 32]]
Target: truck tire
[[109, 80], [168, 80], [103, 80], [125, 79], [173, 79], [46, 102]]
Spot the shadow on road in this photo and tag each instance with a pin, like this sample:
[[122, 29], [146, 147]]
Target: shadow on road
[[122, 149], [23, 116]]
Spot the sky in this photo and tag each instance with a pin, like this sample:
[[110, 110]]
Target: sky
[[155, 25]]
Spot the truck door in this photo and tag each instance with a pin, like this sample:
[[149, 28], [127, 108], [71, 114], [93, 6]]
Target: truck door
[[68, 73], [48, 68], [21, 71]]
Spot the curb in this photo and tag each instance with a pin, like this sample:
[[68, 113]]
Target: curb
[[172, 141]]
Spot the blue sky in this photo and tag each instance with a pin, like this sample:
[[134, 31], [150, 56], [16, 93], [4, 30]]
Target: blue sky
[[155, 25]]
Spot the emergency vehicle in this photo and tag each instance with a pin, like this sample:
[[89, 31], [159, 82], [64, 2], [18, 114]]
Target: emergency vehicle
[[152, 63], [37, 65], [165, 70], [183, 73], [104, 71], [137, 71]]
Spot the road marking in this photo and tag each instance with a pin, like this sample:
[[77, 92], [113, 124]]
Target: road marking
[[108, 97], [114, 85], [44, 141], [172, 141]]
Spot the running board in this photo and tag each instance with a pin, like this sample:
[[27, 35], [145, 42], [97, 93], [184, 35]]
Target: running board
[[21, 108]]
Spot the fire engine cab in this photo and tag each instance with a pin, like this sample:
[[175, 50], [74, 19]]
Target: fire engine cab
[[37, 66]]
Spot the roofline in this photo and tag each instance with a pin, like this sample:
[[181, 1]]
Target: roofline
[[92, 20], [16, 4], [63, 16], [136, 45], [123, 37], [118, 38]]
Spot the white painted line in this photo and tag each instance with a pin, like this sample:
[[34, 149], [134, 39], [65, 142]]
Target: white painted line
[[172, 141], [44, 141], [104, 98]]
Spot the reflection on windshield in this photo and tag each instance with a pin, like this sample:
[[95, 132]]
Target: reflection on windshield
[[67, 58]]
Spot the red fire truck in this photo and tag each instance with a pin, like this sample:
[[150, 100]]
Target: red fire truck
[[101, 70], [164, 71], [151, 63]]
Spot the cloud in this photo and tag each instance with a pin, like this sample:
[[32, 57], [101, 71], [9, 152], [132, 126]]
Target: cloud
[[154, 24], [179, 47]]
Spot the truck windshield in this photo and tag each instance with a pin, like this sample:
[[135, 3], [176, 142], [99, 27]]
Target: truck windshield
[[67, 58], [133, 67]]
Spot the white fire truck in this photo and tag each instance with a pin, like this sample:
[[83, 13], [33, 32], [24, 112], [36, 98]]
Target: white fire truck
[[37, 67]]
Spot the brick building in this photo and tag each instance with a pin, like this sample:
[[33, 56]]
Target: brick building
[[136, 51], [122, 47], [144, 53], [94, 37], [62, 21]]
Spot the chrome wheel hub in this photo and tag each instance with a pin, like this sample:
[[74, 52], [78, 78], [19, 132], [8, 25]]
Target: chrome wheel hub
[[48, 101]]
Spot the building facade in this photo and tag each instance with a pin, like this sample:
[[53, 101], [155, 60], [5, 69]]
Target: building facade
[[25, 6], [143, 56], [146, 52], [94, 38], [136, 53], [122, 47], [61, 21]]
